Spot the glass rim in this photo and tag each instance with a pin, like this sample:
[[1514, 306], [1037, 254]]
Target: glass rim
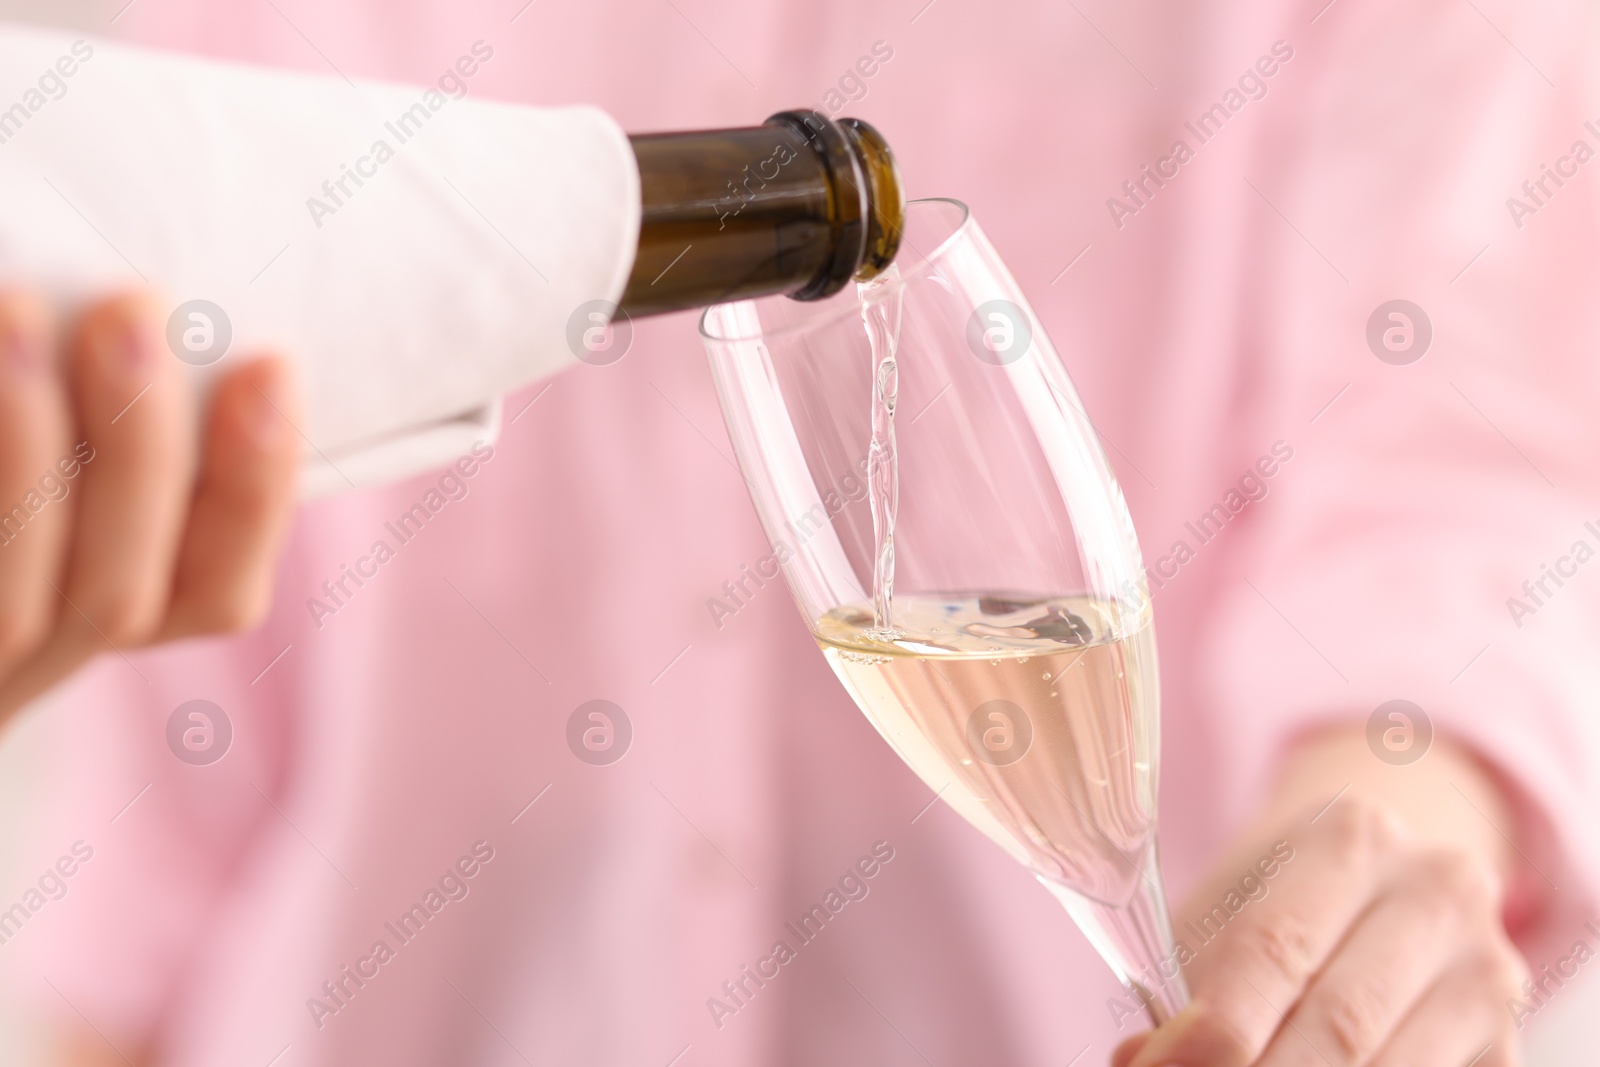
[[915, 272]]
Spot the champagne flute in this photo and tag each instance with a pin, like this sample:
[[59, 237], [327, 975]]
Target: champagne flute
[[950, 529]]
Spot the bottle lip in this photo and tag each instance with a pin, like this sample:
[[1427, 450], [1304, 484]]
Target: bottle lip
[[907, 275], [839, 152], [886, 201]]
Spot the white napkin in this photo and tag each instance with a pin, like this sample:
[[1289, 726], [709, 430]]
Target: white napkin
[[412, 300]]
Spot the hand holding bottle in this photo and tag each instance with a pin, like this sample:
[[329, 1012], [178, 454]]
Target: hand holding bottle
[[118, 528]]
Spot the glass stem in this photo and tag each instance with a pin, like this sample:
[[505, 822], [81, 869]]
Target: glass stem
[[1136, 940]]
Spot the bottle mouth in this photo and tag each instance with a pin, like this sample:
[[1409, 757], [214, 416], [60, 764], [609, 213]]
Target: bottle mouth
[[886, 216], [866, 201], [942, 221]]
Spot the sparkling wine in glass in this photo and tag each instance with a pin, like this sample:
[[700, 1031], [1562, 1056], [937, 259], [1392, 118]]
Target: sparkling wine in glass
[[953, 535]]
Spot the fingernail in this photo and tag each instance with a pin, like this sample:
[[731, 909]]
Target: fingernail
[[263, 414], [22, 351], [122, 345], [22, 345]]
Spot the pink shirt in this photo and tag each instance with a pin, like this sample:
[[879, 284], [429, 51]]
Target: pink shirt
[[1211, 318]]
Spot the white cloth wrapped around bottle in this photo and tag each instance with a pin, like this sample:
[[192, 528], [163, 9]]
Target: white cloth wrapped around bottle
[[419, 251]]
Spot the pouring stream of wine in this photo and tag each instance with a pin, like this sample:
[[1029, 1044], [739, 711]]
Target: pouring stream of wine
[[880, 312]]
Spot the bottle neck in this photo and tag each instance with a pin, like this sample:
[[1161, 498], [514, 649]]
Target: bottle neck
[[800, 205]]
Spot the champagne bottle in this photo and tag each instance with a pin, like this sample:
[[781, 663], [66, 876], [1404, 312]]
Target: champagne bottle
[[419, 250], [800, 205]]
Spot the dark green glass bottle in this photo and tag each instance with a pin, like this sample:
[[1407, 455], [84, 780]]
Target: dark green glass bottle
[[800, 205]]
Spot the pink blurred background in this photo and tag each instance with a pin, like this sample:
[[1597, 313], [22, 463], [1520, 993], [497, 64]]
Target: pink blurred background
[[1225, 314]]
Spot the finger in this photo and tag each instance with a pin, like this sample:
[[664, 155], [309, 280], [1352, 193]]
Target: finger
[[1462, 1020], [242, 504], [1396, 951], [1126, 1051], [132, 408], [136, 460], [1263, 955], [34, 429]]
